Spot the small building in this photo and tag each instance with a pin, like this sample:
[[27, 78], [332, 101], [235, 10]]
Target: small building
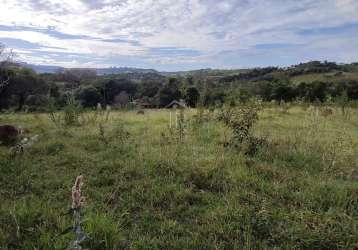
[[143, 104], [176, 104], [146, 105]]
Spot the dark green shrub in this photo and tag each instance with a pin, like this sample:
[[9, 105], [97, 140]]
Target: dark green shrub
[[241, 121]]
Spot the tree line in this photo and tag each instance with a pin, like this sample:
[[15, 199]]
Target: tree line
[[23, 89]]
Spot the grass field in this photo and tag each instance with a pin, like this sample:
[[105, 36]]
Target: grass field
[[147, 190], [327, 77]]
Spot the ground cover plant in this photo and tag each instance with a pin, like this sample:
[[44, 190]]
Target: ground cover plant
[[145, 189]]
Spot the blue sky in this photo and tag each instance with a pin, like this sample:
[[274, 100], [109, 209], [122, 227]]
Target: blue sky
[[180, 34]]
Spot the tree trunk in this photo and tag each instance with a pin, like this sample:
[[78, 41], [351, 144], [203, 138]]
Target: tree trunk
[[21, 102]]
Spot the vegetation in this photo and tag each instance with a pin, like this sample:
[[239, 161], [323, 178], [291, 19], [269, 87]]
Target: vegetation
[[145, 190], [309, 82], [260, 159]]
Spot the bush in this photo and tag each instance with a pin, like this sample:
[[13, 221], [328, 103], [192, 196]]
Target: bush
[[72, 111], [88, 96], [71, 115], [241, 121], [36, 102]]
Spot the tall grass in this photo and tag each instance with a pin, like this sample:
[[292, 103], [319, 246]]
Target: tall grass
[[147, 192]]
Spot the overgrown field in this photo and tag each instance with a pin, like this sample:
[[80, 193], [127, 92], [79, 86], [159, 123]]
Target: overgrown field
[[149, 187]]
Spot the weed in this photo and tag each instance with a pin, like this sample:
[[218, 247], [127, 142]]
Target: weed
[[326, 111], [176, 133], [102, 136], [120, 133], [69, 117], [72, 111], [284, 107], [54, 116], [343, 102], [181, 125], [77, 204]]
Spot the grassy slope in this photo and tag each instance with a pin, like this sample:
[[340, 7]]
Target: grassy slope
[[150, 192], [326, 77]]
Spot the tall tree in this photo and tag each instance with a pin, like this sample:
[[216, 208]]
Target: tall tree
[[192, 96], [23, 83], [111, 88], [5, 61], [169, 92], [122, 99], [89, 96]]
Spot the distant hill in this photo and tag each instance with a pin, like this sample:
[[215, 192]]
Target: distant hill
[[100, 71], [42, 68], [123, 70], [303, 72], [128, 70]]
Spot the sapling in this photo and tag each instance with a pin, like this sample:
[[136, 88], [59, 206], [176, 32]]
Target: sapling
[[71, 111], [343, 102], [241, 120], [181, 124], [102, 136]]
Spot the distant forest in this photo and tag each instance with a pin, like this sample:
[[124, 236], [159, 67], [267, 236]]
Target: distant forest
[[23, 89]]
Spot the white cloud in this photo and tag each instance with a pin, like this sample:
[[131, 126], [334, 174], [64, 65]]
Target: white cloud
[[80, 46], [208, 26]]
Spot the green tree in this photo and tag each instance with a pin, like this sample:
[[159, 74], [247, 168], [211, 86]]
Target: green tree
[[192, 96], [169, 92], [89, 96], [24, 82], [237, 96], [282, 91], [111, 88], [122, 99], [149, 88], [37, 102]]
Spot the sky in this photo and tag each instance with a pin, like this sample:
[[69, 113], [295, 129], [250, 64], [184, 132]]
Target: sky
[[173, 35]]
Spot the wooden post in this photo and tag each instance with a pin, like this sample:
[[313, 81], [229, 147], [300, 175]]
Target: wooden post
[[176, 118], [170, 119]]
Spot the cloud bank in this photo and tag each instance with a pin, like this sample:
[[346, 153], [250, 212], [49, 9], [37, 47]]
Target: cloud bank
[[181, 34]]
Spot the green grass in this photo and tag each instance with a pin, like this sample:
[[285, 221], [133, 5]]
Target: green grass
[[325, 77], [151, 192]]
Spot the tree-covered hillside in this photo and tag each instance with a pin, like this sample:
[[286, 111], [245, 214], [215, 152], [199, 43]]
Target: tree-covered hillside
[[310, 82]]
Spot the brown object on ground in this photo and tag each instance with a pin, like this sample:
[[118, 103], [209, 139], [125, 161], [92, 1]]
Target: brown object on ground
[[9, 134]]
